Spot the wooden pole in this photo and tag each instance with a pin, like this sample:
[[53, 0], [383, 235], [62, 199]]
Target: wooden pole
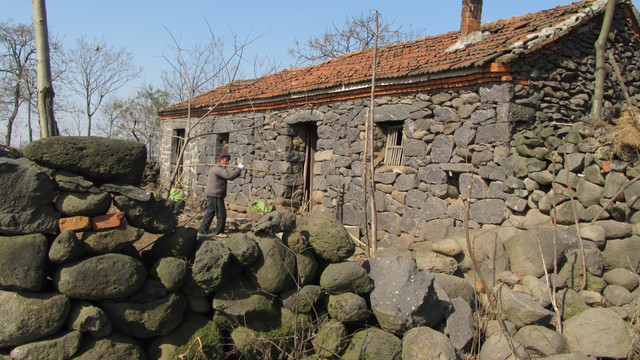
[[231, 166]]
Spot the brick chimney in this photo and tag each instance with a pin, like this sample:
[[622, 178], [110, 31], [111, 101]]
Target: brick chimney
[[471, 16]]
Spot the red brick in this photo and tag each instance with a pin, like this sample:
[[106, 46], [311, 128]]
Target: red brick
[[108, 221], [75, 223]]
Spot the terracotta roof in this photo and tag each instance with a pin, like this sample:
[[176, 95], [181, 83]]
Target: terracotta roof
[[423, 61]]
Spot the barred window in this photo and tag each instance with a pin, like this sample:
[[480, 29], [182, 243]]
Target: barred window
[[394, 147]]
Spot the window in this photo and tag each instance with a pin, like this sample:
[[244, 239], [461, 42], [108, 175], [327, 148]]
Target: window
[[222, 144], [394, 147]]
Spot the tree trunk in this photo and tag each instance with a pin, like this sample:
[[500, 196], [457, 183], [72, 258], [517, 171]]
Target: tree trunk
[[14, 113], [374, 213], [600, 47], [48, 126]]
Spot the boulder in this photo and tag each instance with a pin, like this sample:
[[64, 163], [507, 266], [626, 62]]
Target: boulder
[[146, 320], [307, 266], [120, 276], [520, 308], [172, 272], [617, 295], [588, 193], [498, 347], [302, 300], [433, 262], [86, 317], [204, 332], [157, 216], [66, 247], [150, 291], [346, 277], [456, 286], [109, 241], [623, 277], [537, 288], [60, 346], [593, 257], [327, 236], [27, 199], [427, 344], [179, 243], [242, 300], [259, 341], [130, 191], [83, 203], [69, 182], [115, 346], [598, 332], [615, 229], [98, 159], [447, 247], [570, 302], [531, 252], [373, 343], [488, 211], [244, 249], [296, 241], [28, 316], [572, 269], [276, 222], [460, 324], [331, 339], [540, 341], [622, 253], [22, 261], [210, 269], [348, 307], [489, 251], [275, 269], [403, 297]]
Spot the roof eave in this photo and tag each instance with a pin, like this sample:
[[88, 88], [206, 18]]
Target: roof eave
[[344, 91]]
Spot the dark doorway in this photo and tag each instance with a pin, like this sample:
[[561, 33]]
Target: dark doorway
[[309, 134], [177, 142]]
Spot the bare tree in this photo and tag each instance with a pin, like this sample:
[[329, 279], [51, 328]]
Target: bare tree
[[203, 60], [197, 77], [97, 70], [136, 118], [17, 57], [48, 125], [357, 33]]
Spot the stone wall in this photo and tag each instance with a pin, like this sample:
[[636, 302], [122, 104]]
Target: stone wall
[[450, 135], [74, 286]]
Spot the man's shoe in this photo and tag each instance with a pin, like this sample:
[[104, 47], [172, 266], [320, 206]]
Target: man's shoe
[[222, 235]]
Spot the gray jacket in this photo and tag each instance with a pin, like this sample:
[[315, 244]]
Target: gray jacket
[[217, 180]]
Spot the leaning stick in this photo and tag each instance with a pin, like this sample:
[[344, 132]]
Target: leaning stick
[[232, 166]]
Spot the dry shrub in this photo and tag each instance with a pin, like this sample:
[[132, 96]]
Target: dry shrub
[[625, 133]]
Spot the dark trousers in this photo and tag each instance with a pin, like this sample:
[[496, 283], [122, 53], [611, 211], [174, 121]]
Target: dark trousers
[[215, 207]]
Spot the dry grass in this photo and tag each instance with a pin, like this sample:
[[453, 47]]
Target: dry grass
[[625, 134]]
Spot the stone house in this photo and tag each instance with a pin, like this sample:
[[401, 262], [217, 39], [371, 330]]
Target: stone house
[[447, 108]]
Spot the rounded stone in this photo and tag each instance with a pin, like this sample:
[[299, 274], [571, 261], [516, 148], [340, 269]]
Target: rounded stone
[[109, 276]]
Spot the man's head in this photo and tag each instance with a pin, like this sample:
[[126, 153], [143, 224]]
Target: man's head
[[224, 158]]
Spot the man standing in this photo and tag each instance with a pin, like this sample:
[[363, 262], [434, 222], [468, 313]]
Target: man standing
[[216, 191]]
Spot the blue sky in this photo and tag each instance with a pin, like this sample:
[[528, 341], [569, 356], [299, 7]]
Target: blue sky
[[142, 27]]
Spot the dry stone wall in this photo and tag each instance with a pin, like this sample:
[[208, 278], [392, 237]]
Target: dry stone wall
[[451, 137], [80, 293]]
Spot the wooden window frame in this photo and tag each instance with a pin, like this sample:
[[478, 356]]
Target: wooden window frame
[[394, 148]]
